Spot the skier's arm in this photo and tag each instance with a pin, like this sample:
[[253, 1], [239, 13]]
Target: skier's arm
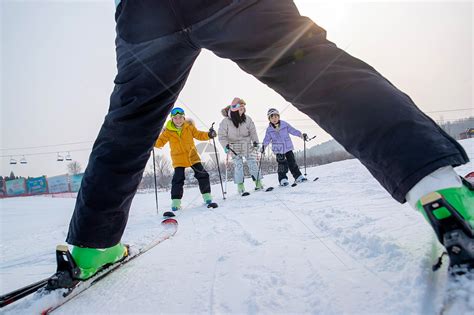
[[294, 131], [267, 139], [200, 135], [162, 140]]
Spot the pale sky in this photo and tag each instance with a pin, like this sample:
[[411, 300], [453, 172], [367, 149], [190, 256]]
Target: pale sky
[[58, 66]]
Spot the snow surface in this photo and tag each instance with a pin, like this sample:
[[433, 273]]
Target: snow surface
[[339, 245]]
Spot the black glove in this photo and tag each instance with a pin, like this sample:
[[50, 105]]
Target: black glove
[[212, 133], [255, 144], [262, 149], [305, 136]]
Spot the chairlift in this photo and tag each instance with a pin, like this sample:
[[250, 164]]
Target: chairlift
[[12, 160], [60, 158], [23, 160], [68, 157]]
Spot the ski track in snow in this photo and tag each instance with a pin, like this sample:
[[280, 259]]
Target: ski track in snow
[[339, 245]]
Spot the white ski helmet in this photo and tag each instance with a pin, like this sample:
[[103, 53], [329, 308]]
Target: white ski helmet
[[272, 111]]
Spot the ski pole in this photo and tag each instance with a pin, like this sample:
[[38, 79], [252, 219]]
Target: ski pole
[[156, 189], [260, 165], [226, 167], [217, 160], [304, 155], [232, 150], [305, 139]]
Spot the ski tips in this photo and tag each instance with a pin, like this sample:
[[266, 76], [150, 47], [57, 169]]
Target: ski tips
[[47, 311], [169, 221]]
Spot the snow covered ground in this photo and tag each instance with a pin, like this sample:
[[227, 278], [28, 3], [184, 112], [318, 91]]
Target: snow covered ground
[[339, 245]]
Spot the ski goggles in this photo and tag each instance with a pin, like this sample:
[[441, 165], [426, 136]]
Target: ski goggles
[[177, 111], [236, 107]]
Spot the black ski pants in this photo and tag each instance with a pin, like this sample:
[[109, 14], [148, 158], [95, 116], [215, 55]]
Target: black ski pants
[[200, 174], [287, 161], [363, 111]]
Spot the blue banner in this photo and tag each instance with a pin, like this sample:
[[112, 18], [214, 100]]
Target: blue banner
[[16, 187], [58, 184], [37, 185], [2, 188], [75, 182]]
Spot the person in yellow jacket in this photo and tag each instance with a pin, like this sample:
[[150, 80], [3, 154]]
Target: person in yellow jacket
[[181, 133]]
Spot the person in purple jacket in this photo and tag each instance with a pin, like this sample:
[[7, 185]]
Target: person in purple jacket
[[278, 133]]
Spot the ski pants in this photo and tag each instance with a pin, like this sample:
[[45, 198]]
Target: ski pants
[[363, 111], [239, 167], [200, 174], [287, 161]]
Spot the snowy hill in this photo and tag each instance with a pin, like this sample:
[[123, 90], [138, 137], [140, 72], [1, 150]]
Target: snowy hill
[[327, 147], [339, 245]]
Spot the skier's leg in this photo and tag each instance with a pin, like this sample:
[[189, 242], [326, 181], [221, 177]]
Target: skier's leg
[[151, 73], [282, 168], [371, 118], [294, 169], [251, 159], [239, 173], [177, 183], [202, 177], [238, 169]]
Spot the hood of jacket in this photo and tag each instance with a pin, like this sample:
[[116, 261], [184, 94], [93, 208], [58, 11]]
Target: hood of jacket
[[225, 111], [172, 127]]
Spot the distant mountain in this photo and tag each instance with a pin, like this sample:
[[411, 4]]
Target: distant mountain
[[324, 153], [325, 148], [453, 128]]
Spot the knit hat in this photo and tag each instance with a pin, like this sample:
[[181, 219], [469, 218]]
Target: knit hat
[[272, 111]]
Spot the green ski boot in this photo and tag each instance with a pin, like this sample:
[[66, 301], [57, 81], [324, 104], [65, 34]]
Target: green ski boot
[[258, 184], [175, 204], [241, 189], [451, 214], [92, 260], [207, 198]]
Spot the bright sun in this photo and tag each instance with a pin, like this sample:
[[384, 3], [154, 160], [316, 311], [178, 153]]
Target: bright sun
[[328, 15]]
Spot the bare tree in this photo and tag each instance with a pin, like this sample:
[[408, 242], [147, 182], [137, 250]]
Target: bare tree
[[163, 166], [164, 173], [74, 168]]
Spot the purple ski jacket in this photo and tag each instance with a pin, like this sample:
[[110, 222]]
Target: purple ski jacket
[[280, 137]]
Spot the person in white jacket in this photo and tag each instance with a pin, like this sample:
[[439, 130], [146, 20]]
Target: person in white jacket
[[238, 136]]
